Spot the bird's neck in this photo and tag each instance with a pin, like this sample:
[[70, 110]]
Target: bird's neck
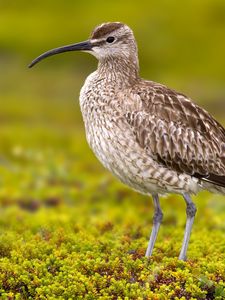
[[119, 69]]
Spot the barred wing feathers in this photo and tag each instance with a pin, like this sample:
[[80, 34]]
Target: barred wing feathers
[[178, 133]]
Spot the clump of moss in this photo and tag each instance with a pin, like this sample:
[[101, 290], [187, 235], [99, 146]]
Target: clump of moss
[[80, 252]]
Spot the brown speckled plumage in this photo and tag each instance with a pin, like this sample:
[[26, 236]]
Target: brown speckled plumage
[[152, 138], [178, 133]]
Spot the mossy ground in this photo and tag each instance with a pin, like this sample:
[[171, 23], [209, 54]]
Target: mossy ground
[[69, 230]]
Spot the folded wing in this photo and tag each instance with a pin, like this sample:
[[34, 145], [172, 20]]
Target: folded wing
[[178, 134]]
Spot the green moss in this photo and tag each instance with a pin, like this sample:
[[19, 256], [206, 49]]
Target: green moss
[[74, 253]]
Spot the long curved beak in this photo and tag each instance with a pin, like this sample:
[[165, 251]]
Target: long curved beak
[[86, 45]]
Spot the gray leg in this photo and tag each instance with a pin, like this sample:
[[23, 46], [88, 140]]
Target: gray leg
[[157, 219], [190, 211]]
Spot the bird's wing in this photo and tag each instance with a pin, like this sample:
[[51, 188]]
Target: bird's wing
[[177, 133]]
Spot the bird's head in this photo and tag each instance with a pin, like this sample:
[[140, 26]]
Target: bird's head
[[108, 40], [112, 40]]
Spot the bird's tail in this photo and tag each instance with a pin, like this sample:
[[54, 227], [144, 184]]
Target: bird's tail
[[213, 187]]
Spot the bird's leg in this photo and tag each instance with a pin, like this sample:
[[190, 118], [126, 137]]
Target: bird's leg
[[157, 219], [190, 211]]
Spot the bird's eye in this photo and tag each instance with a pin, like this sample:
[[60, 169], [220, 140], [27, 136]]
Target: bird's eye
[[110, 39]]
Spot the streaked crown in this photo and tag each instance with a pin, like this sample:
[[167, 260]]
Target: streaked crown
[[104, 29]]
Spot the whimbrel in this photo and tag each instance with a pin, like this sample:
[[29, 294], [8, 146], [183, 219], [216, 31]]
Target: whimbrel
[[152, 138]]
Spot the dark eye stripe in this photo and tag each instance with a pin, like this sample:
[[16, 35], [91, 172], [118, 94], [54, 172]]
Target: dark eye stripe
[[97, 44]]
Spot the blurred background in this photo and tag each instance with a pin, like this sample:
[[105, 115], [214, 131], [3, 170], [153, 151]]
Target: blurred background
[[43, 152]]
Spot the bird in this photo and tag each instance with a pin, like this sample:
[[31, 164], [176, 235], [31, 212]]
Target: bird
[[152, 138]]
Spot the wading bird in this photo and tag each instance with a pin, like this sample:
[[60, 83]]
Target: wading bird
[[152, 138]]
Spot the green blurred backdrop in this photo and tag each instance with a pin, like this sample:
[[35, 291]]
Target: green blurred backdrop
[[181, 44]]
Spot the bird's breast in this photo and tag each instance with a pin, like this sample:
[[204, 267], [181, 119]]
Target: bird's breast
[[103, 122], [107, 132]]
